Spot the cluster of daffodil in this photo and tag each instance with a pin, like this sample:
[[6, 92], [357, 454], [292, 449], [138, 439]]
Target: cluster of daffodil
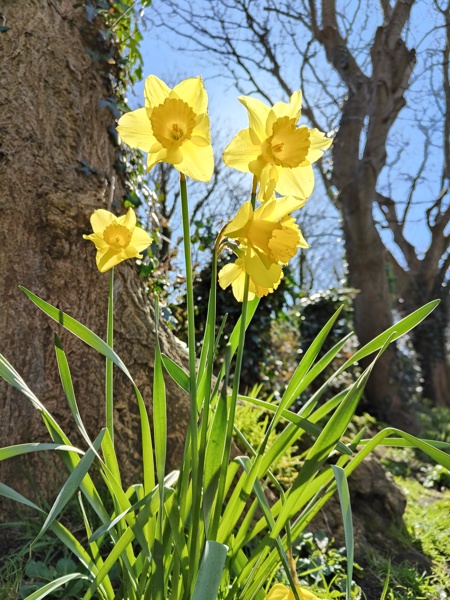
[[207, 531], [174, 128]]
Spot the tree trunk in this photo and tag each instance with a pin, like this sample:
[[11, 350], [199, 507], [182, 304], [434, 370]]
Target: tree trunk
[[50, 121], [385, 398], [429, 339]]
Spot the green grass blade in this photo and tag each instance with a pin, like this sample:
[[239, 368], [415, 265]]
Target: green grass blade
[[213, 459], [112, 471], [81, 331], [8, 492], [304, 366], [386, 581], [93, 340], [324, 444], [11, 376], [180, 376], [210, 572], [54, 585], [265, 508], [109, 386], [71, 485], [66, 381], [305, 424], [20, 449], [392, 334], [159, 409], [344, 499]]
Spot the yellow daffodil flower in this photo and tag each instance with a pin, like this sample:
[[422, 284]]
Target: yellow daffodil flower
[[269, 229], [275, 150], [116, 238], [173, 127], [281, 592], [264, 276]]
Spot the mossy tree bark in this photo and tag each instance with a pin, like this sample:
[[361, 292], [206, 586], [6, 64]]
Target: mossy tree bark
[[51, 125]]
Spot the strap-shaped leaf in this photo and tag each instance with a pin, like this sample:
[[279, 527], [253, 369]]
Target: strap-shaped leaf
[[346, 510], [210, 572], [180, 376], [72, 484], [54, 585]]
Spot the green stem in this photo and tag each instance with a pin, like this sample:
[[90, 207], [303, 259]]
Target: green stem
[[109, 409], [234, 395], [193, 433], [211, 320]]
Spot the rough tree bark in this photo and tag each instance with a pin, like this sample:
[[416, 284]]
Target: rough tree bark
[[50, 120]]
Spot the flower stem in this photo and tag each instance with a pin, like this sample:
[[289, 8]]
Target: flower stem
[[193, 433], [109, 408], [234, 395]]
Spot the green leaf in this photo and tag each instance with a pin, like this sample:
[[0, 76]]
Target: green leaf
[[213, 458], [66, 380], [54, 585], [92, 340], [11, 494], [324, 444], [392, 334], [72, 325], [308, 426], [180, 377], [210, 572], [346, 509], [306, 363], [20, 449], [72, 484], [159, 409]]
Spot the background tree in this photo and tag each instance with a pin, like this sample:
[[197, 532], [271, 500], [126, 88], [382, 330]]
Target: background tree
[[58, 159], [360, 65]]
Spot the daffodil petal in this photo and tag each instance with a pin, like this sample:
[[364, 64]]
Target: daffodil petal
[[257, 115], [135, 130], [238, 287], [140, 239], [156, 157], [284, 243], [202, 130], [99, 242], [131, 252], [280, 207], [198, 161], [100, 219], [241, 151], [318, 144], [107, 260], [155, 91], [243, 216], [298, 182], [277, 592], [193, 92], [260, 274], [228, 274], [128, 220], [296, 105], [291, 110]]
